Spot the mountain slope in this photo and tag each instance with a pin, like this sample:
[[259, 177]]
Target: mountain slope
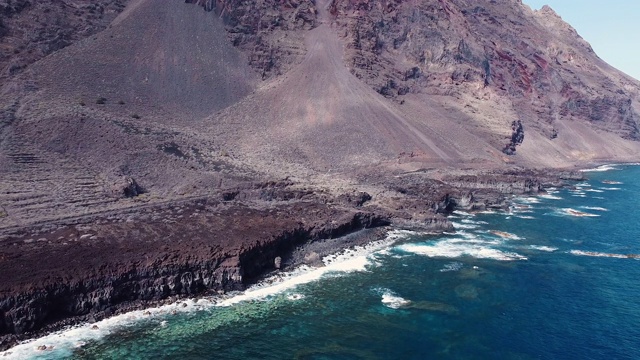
[[496, 52], [157, 55], [320, 116], [191, 99]]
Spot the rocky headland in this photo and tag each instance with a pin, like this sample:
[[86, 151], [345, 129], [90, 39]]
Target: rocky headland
[[82, 269], [151, 151]]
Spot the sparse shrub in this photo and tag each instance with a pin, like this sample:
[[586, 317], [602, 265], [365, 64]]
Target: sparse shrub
[[101, 101], [121, 102], [82, 103], [135, 116]]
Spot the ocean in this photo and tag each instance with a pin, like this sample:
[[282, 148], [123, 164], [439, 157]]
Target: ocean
[[555, 277]]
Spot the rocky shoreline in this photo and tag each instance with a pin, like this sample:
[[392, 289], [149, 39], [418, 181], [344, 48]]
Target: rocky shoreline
[[57, 275]]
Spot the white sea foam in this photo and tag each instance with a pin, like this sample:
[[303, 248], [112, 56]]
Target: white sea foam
[[463, 213], [550, 197], [295, 297], [475, 222], [597, 208], [594, 190], [610, 188], [467, 235], [456, 249], [520, 209], [454, 266], [64, 341], [488, 211], [601, 168], [611, 182], [601, 254], [393, 301], [528, 200], [350, 260], [527, 217], [458, 225], [504, 235], [476, 241], [543, 248], [574, 212]]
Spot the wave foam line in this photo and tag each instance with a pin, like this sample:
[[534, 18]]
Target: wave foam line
[[528, 200], [458, 225], [600, 168], [393, 300], [550, 197], [454, 266], [463, 213], [473, 222], [505, 235], [574, 212], [612, 182], [457, 249], [62, 343], [543, 248], [350, 260], [601, 254], [596, 208]]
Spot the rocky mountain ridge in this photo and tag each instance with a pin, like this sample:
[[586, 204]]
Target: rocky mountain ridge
[[153, 157], [489, 49]]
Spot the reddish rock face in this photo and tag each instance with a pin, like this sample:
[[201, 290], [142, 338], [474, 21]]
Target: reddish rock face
[[498, 48], [186, 147]]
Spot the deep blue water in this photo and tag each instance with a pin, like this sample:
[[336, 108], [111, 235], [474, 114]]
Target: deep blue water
[[538, 282]]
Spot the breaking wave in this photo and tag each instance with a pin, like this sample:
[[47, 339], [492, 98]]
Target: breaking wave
[[63, 343], [458, 225], [454, 266], [393, 300], [597, 208], [602, 254], [601, 168], [350, 260], [543, 248], [550, 197], [455, 248], [574, 212]]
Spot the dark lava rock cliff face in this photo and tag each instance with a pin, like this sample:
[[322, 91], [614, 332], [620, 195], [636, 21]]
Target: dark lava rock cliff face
[[486, 49], [113, 263]]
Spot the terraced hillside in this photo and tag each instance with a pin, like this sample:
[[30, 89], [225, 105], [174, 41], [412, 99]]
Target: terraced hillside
[[177, 99]]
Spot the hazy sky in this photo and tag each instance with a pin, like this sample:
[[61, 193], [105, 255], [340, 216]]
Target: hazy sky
[[612, 27]]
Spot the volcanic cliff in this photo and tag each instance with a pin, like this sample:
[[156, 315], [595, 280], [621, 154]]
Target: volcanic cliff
[[154, 149]]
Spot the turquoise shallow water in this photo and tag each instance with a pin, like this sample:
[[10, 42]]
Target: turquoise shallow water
[[550, 279]]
